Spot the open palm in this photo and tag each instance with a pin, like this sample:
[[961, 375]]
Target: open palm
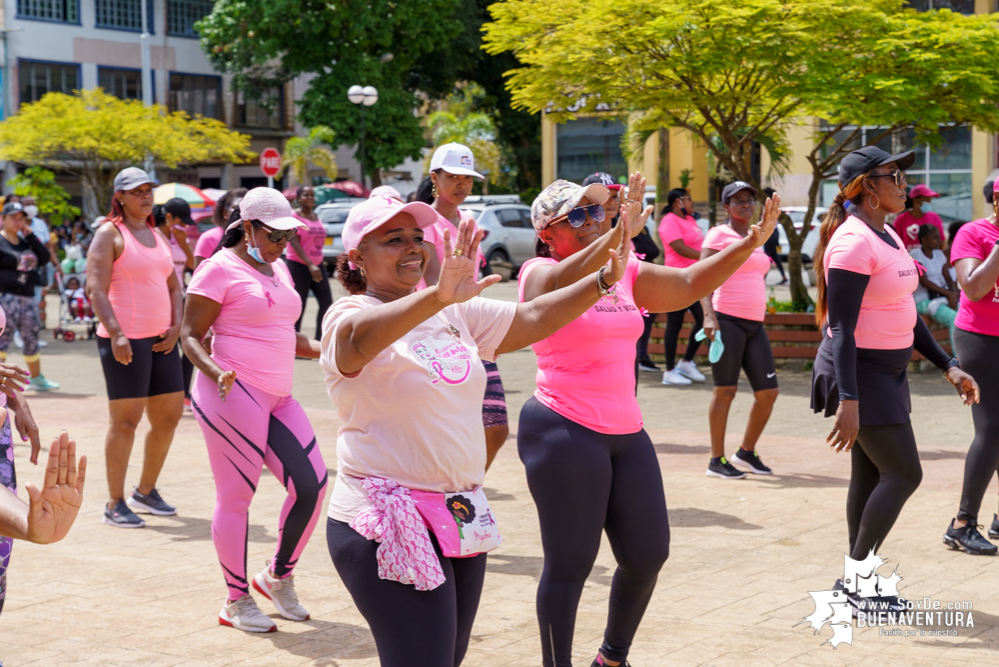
[[761, 231], [54, 508], [457, 278]]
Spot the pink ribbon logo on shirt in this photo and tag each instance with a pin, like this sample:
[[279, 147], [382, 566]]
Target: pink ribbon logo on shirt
[[447, 361], [270, 301]]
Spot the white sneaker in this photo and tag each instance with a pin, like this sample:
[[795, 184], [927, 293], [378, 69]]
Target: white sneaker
[[282, 593], [244, 614], [688, 369], [41, 343], [675, 377], [18, 340]]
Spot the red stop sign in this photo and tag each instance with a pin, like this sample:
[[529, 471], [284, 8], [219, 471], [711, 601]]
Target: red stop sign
[[270, 161]]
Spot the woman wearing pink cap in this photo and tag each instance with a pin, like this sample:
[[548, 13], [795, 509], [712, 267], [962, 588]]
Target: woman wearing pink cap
[[242, 400], [591, 467], [136, 295], [908, 222], [403, 367]]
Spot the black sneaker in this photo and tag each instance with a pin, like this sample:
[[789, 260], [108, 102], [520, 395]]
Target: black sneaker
[[599, 662], [752, 461], [994, 529], [648, 365], [968, 539], [724, 470], [152, 503], [122, 517]]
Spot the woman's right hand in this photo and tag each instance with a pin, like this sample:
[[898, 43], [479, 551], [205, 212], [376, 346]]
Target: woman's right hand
[[631, 206], [710, 326], [225, 381], [761, 231], [846, 426], [121, 348], [317, 275], [14, 379], [457, 283]]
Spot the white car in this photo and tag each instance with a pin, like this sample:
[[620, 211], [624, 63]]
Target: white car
[[797, 214], [333, 215]]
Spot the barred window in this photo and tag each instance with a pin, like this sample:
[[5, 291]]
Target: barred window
[[123, 14], [124, 84], [197, 95], [183, 14], [265, 112], [37, 79], [66, 11]]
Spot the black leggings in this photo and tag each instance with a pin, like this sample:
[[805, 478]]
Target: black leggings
[[411, 628], [979, 355], [304, 283], [583, 483], [770, 248], [674, 322], [885, 472]]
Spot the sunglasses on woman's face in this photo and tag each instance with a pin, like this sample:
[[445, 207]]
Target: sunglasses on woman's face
[[277, 236], [577, 216], [896, 174]]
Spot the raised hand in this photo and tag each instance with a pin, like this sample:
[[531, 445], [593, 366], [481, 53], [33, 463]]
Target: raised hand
[[631, 207], [761, 231], [54, 507], [457, 278]]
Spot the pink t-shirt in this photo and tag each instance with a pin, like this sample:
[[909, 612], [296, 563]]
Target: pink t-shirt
[[744, 294], [907, 227], [674, 227], [312, 239], [976, 240], [888, 311], [435, 235], [414, 413], [179, 256], [254, 333], [586, 369], [208, 241]]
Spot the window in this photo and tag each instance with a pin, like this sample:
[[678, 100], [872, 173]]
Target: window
[[124, 84], [958, 6], [265, 112], [183, 14], [63, 11], [588, 145], [38, 78], [197, 95], [510, 217], [123, 14]]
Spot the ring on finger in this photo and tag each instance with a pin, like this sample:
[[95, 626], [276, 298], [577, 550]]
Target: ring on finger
[[457, 252]]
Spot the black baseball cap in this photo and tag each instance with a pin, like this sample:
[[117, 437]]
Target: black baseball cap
[[735, 187], [867, 159], [11, 208], [602, 178], [180, 209]]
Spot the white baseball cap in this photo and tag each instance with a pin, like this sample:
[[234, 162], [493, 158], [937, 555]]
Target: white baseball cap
[[270, 207], [454, 159]]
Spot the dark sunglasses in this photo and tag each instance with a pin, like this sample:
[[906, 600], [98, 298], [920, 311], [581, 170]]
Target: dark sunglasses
[[897, 174], [577, 216], [277, 236]]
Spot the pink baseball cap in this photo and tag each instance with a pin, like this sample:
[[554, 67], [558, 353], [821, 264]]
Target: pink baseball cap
[[374, 212], [921, 190], [270, 207], [386, 191]]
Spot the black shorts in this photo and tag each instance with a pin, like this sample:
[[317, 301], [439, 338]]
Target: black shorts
[[149, 374], [882, 384], [747, 347]]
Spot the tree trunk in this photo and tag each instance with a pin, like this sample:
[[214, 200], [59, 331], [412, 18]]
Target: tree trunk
[[800, 299], [376, 178], [662, 182]]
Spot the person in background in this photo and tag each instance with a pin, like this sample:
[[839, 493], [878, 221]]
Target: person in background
[[304, 258], [612, 207], [173, 220], [908, 222], [46, 272], [208, 243], [952, 230], [76, 249], [387, 191], [79, 305], [937, 294], [682, 239], [17, 290], [772, 246]]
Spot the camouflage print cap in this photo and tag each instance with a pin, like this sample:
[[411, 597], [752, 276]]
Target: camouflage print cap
[[561, 197]]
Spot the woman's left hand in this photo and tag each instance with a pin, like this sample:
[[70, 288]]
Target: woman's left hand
[[761, 231], [457, 278], [13, 380], [168, 340], [966, 386], [631, 207]]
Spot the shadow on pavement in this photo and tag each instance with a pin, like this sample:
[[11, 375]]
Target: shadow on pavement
[[984, 634], [672, 448], [801, 481], [689, 517], [327, 642], [192, 528], [939, 454], [531, 566]]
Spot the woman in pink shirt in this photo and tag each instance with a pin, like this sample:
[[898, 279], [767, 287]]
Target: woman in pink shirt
[[868, 318], [135, 293], [591, 467], [682, 239], [304, 258], [242, 400], [736, 311], [907, 223], [403, 368], [975, 255]]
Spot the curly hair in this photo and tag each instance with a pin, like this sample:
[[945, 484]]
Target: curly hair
[[351, 279]]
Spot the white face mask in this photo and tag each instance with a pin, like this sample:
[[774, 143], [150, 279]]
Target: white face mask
[[31, 211], [926, 207]]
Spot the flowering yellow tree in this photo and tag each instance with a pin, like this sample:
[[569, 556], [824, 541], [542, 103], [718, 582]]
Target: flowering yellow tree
[[93, 136]]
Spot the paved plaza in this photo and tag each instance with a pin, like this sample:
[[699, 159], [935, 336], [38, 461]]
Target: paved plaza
[[744, 553]]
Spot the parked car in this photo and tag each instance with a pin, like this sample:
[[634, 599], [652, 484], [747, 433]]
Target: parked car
[[333, 215], [797, 214], [509, 238]]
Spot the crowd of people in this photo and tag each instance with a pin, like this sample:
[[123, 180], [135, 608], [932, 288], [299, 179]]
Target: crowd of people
[[408, 525]]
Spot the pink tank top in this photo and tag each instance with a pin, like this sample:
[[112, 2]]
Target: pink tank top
[[139, 294]]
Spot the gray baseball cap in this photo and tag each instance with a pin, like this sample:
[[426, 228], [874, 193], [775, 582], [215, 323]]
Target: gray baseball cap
[[131, 178]]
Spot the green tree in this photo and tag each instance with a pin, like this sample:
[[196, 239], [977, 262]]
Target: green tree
[[50, 197], [461, 124], [738, 74], [300, 151], [93, 135]]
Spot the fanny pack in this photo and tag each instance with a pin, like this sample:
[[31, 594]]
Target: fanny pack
[[462, 522]]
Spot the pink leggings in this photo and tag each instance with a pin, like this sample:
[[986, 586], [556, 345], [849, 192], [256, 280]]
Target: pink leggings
[[249, 430]]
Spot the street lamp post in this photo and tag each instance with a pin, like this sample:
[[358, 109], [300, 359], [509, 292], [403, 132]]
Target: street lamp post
[[364, 96]]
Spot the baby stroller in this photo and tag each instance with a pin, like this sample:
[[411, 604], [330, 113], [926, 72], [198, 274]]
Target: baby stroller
[[66, 315]]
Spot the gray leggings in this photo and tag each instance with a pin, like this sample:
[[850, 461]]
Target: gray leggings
[[22, 316]]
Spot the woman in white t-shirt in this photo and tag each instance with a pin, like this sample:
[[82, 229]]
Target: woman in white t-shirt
[[403, 367], [937, 294]]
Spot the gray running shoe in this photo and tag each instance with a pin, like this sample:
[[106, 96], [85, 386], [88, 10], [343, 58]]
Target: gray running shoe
[[968, 539], [244, 614], [122, 517], [282, 593], [152, 503]]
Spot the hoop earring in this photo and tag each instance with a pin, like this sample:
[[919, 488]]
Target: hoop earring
[[873, 205], [434, 191], [362, 272], [551, 247]]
